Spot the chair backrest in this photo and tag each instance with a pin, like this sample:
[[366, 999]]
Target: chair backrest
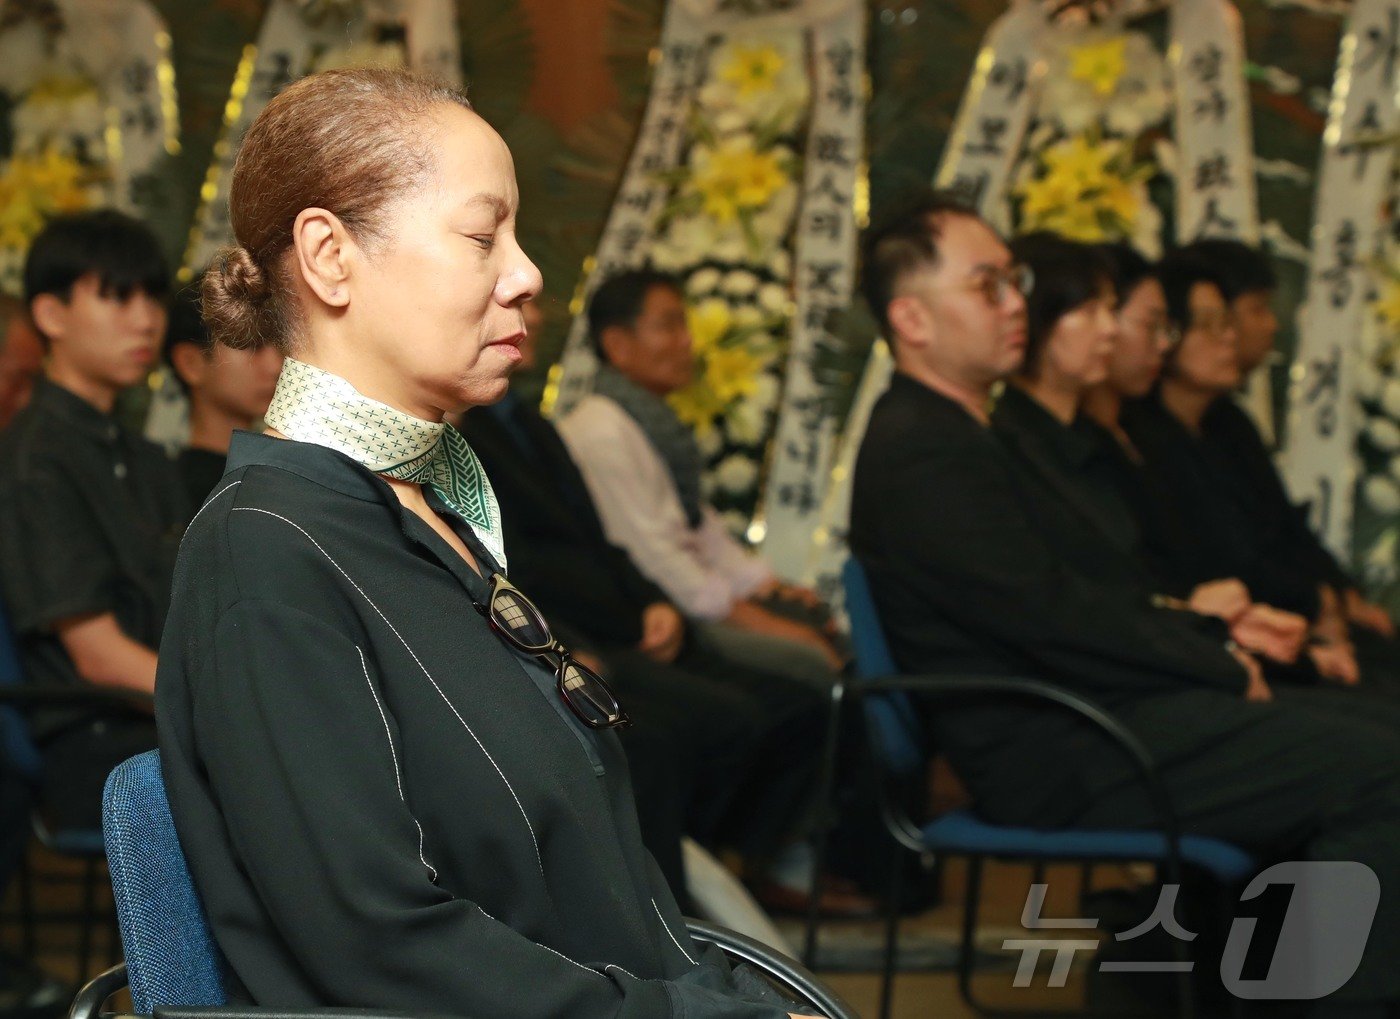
[[171, 957], [16, 743], [895, 729]]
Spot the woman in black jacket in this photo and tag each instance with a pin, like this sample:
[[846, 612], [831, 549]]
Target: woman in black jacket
[[395, 790]]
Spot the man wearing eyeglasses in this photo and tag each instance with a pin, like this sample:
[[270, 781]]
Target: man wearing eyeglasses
[[965, 584]]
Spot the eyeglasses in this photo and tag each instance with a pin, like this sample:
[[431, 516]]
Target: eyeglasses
[[1214, 326], [1158, 329], [995, 284], [516, 619]]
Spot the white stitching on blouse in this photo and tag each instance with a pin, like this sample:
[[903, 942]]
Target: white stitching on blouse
[[398, 779], [667, 928], [539, 859], [210, 502], [613, 965], [571, 962]]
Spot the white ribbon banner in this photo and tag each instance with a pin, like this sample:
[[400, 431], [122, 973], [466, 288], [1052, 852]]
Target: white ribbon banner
[[1215, 198], [1357, 162], [681, 61], [1215, 194], [992, 119], [824, 281], [288, 46]]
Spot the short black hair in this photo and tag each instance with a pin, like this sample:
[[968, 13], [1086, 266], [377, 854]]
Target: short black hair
[[619, 299], [1240, 269], [904, 240], [121, 250], [1179, 272], [1127, 267], [1067, 274], [186, 325]]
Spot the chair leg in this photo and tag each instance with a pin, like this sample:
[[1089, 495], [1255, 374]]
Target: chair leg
[[826, 809], [967, 950], [87, 919], [26, 903], [892, 907]]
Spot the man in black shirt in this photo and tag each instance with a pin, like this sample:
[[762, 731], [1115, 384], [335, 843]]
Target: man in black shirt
[[1248, 283], [228, 390], [90, 514], [966, 582], [738, 748]]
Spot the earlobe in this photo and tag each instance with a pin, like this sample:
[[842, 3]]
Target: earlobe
[[615, 346], [321, 247], [48, 312], [909, 319]]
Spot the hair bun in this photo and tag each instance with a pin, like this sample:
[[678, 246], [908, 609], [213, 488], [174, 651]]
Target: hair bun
[[234, 300], [243, 279]]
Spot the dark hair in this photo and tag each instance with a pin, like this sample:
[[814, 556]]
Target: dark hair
[[1179, 272], [1239, 268], [348, 141], [186, 325], [905, 240], [1068, 274], [1127, 267], [619, 299], [121, 251]]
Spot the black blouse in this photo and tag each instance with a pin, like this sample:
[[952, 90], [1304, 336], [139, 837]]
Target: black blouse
[[90, 520], [382, 804]]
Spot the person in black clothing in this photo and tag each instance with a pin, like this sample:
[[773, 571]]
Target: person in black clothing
[[228, 390], [395, 788], [731, 736], [1200, 477], [1248, 283], [90, 514], [965, 582], [1072, 331]]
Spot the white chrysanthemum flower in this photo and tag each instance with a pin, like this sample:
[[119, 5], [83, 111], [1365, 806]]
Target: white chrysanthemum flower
[[710, 442], [1369, 381], [1390, 398], [740, 283], [705, 281], [1381, 494], [763, 77], [736, 474], [746, 316], [746, 423], [766, 391], [1384, 434], [773, 298]]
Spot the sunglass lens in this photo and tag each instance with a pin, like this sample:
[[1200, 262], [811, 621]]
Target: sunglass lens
[[589, 695], [519, 618]]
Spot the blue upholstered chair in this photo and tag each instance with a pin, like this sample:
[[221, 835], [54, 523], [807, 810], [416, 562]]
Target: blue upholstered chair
[[23, 760], [173, 964], [895, 730]]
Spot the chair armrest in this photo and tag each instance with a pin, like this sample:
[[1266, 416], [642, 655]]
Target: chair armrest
[[1120, 736], [27, 695], [94, 994], [791, 975]]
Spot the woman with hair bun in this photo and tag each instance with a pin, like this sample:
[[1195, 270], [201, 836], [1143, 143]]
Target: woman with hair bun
[[395, 788]]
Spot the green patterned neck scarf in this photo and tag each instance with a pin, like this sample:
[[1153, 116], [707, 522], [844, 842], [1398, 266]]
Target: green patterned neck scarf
[[315, 406]]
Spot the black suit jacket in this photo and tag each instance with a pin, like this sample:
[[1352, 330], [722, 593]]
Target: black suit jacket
[[964, 580], [1211, 492], [558, 552], [1233, 434]]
